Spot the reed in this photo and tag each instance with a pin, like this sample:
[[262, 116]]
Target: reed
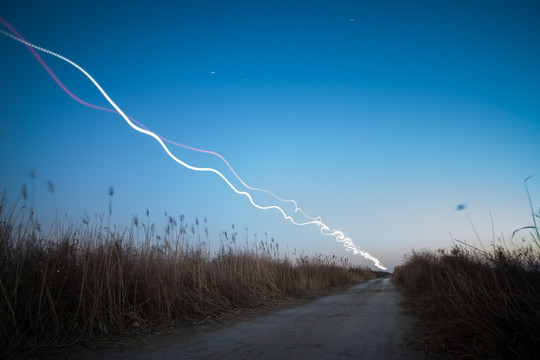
[[84, 281], [474, 303]]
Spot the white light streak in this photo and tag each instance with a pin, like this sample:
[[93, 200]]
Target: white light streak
[[324, 229]]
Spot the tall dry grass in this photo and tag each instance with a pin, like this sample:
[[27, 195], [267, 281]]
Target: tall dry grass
[[476, 304], [82, 281]]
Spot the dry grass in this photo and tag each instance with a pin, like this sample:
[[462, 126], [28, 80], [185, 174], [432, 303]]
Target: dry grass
[[80, 282], [476, 304]]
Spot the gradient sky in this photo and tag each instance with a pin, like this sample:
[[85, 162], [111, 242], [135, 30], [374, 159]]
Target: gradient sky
[[380, 117]]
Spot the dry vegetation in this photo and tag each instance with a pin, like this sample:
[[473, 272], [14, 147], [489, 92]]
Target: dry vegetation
[[80, 282], [473, 303]]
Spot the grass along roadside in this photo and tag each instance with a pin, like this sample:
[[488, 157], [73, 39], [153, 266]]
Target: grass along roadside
[[81, 282], [473, 303]]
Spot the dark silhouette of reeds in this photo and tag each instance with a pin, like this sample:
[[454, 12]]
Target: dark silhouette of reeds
[[474, 303]]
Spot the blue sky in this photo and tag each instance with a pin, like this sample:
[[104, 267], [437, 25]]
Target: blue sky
[[380, 117]]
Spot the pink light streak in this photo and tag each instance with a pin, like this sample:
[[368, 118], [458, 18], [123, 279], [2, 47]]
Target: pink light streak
[[76, 98], [324, 229]]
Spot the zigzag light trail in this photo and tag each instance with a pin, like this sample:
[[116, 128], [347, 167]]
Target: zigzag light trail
[[324, 229]]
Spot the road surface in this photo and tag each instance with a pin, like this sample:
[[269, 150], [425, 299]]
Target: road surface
[[363, 322]]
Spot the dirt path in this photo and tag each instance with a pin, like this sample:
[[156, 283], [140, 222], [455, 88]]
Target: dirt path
[[364, 322]]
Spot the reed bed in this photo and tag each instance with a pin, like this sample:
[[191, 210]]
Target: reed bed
[[475, 304], [80, 282]]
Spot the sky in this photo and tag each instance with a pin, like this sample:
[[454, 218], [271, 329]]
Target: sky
[[381, 117]]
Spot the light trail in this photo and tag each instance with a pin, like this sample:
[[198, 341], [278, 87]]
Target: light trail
[[324, 229], [76, 98]]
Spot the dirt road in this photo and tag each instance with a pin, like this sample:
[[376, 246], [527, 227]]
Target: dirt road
[[364, 322]]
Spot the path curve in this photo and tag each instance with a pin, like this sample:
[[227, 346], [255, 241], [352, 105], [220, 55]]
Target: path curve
[[364, 322]]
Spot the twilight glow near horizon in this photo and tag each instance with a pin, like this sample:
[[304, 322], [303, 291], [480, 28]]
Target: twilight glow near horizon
[[381, 118]]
